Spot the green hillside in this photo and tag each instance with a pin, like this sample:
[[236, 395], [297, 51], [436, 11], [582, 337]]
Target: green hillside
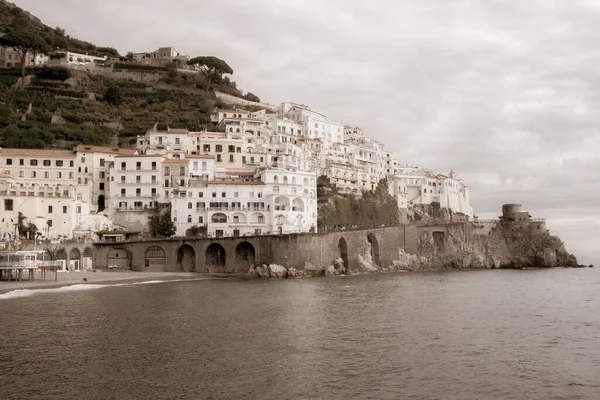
[[61, 107]]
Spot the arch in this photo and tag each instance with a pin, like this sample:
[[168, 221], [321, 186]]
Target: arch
[[45, 256], [282, 203], [74, 259], [101, 203], [374, 249], [298, 205], [186, 258], [305, 182], [61, 257], [155, 258], [215, 257], [238, 218], [257, 218], [280, 230], [293, 180], [87, 261], [218, 218], [275, 179], [343, 253], [285, 180], [245, 256], [119, 258]]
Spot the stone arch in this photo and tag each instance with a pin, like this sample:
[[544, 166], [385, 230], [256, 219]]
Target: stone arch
[[61, 257], [101, 203], [298, 205], [245, 256], [119, 259], [374, 249], [282, 203], [74, 259], [216, 258], [186, 258], [241, 218], [257, 218], [343, 253], [155, 258], [87, 261]]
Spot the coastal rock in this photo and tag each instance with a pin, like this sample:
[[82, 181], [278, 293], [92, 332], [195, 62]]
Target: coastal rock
[[262, 271], [292, 272], [330, 271], [365, 264], [252, 272], [277, 271]]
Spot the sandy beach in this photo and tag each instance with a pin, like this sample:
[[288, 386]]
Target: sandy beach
[[96, 278]]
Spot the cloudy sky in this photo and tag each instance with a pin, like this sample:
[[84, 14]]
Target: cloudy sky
[[504, 92]]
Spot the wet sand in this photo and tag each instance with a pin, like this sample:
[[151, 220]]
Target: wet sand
[[96, 278]]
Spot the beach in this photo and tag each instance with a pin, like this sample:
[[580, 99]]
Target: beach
[[95, 278]]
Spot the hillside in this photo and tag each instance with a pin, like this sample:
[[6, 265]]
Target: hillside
[[60, 107]]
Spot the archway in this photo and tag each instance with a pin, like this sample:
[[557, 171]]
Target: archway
[[74, 260], [119, 259], [215, 257], [374, 249], [244, 256], [88, 255], [343, 253], [101, 203], [186, 258], [61, 257], [155, 258]]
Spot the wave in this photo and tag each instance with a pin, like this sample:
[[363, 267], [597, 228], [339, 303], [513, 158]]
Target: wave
[[20, 293]]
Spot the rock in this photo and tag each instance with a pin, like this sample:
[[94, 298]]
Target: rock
[[57, 120], [330, 271], [252, 272], [262, 271], [292, 272], [591, 266], [278, 271]]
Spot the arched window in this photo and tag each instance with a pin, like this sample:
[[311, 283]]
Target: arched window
[[189, 219], [285, 180], [293, 180], [219, 218], [305, 181], [276, 179]]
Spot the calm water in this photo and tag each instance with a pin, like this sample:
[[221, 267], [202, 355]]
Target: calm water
[[457, 335]]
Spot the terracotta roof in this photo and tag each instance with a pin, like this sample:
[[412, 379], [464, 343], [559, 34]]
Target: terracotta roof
[[174, 161], [234, 111], [100, 149], [140, 156], [36, 152], [255, 183], [204, 156], [177, 130]]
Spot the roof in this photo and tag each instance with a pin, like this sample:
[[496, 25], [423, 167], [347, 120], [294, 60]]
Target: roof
[[36, 153], [234, 111], [101, 149], [241, 173], [255, 183], [140, 156], [175, 161], [203, 156], [177, 130]]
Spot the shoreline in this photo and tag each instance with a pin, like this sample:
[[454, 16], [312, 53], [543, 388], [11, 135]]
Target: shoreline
[[99, 278]]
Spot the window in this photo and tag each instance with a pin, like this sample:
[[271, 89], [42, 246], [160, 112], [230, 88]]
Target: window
[[231, 158], [64, 209], [219, 218], [33, 162], [102, 162], [9, 161], [49, 209], [122, 178], [49, 223], [33, 174], [101, 174], [47, 163], [8, 205], [138, 192], [261, 219], [236, 233], [201, 194], [82, 159], [138, 165], [214, 194], [219, 148], [219, 159], [200, 220], [177, 142], [243, 159], [223, 194], [153, 192], [123, 166], [153, 165], [78, 209], [181, 171], [46, 174], [189, 205], [236, 194], [153, 178], [231, 149], [21, 162], [236, 219], [206, 147], [101, 186], [138, 179], [123, 192], [219, 233]]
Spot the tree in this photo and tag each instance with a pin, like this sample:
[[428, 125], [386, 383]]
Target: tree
[[24, 43], [160, 222], [211, 67], [113, 95], [252, 97]]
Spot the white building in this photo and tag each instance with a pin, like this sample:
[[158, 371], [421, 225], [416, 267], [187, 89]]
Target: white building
[[314, 125], [83, 59]]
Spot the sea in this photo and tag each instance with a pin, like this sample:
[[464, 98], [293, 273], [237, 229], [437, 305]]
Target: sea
[[494, 334]]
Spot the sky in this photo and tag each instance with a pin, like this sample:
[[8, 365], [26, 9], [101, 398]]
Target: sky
[[503, 92]]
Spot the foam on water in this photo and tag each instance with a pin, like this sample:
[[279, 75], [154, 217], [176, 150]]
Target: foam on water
[[19, 293]]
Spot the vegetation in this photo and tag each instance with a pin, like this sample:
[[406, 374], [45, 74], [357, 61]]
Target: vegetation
[[160, 222], [196, 231], [211, 68], [252, 97], [372, 209], [25, 43], [26, 231], [113, 95]]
